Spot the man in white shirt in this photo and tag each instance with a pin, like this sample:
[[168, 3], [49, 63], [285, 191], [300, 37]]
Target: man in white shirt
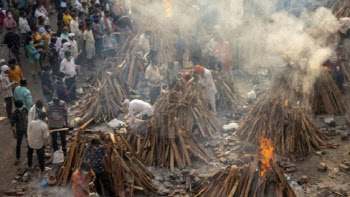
[[69, 68], [208, 85], [38, 132], [73, 45], [89, 45], [138, 107], [23, 25], [144, 42], [154, 79]]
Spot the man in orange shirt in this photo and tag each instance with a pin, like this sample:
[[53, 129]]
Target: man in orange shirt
[[67, 18], [81, 179], [14, 73], [222, 52]]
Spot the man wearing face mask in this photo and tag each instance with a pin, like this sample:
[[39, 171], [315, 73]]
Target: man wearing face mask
[[6, 90], [46, 83], [9, 23], [94, 155], [82, 178], [69, 68]]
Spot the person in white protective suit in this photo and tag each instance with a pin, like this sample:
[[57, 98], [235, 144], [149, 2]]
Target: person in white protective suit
[[209, 88], [138, 107]]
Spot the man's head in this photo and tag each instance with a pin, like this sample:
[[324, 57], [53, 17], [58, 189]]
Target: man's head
[[39, 104], [81, 15], [88, 24], [107, 13], [98, 7], [2, 62], [5, 69], [71, 36], [48, 28], [60, 76], [65, 10], [68, 55], [53, 40], [42, 116], [199, 70], [9, 14], [95, 143], [85, 168], [12, 64], [73, 15], [65, 30], [56, 100], [23, 82], [29, 11], [23, 14], [47, 69], [19, 104]]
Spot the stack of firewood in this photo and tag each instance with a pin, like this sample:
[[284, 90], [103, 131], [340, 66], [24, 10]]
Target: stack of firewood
[[126, 172], [108, 93], [340, 8], [327, 98], [291, 131], [245, 182], [323, 96], [168, 139], [229, 99]]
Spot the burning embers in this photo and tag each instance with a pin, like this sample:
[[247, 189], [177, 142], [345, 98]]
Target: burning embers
[[266, 154]]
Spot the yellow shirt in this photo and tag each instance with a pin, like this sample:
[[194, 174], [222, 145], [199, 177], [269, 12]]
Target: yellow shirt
[[67, 19], [15, 75]]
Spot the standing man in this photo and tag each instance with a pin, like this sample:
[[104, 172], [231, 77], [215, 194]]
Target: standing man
[[94, 155], [180, 49], [21, 93], [19, 124], [6, 90], [171, 72], [144, 42], [46, 83], [98, 35], [89, 45], [60, 87], [12, 40], [208, 86], [38, 132], [57, 114], [73, 45], [69, 68], [24, 26], [67, 18], [154, 79], [53, 56], [9, 23], [195, 52], [14, 73], [222, 52]]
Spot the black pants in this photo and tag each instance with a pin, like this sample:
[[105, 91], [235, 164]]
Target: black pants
[[8, 101], [153, 94], [55, 66], [104, 179], [20, 135], [70, 83], [41, 157], [63, 140]]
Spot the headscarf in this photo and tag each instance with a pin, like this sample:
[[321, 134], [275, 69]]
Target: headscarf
[[200, 70]]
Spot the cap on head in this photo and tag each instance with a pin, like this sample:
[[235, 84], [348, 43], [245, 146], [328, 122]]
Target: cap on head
[[39, 104], [42, 115], [2, 61], [23, 82], [4, 68], [71, 35]]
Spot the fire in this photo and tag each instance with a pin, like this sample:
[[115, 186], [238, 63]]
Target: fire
[[168, 8], [266, 154]]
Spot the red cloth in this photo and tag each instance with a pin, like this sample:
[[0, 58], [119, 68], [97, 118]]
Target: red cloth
[[79, 178], [200, 70], [2, 17]]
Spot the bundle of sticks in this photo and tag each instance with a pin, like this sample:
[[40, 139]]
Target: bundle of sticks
[[291, 131], [229, 99], [340, 8], [168, 139], [105, 101], [125, 171], [323, 96], [327, 98], [245, 182]]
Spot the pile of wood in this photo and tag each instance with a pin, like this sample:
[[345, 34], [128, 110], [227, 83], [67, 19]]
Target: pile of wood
[[126, 172], [327, 98], [168, 139], [105, 101], [245, 182], [229, 99], [323, 96], [340, 8], [291, 131]]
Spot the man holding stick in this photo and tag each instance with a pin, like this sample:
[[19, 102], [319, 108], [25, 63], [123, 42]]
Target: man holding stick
[[69, 68]]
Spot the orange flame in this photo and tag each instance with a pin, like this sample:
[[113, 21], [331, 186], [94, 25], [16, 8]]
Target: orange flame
[[266, 154], [168, 8]]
